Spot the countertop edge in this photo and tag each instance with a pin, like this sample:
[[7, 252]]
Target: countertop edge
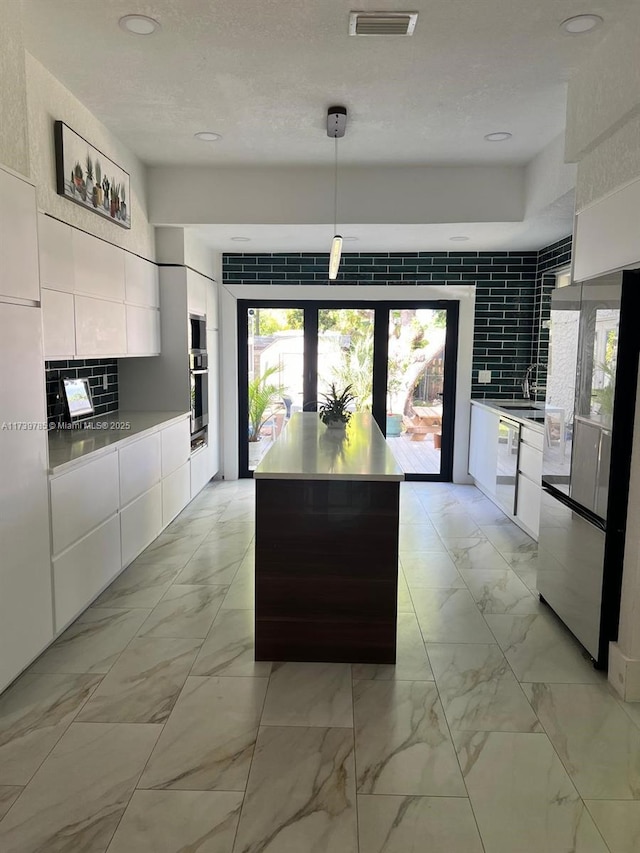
[[536, 426]]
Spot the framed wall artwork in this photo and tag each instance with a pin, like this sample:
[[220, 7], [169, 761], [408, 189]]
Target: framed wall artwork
[[89, 178]]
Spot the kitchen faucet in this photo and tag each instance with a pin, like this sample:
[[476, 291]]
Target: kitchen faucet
[[527, 385]]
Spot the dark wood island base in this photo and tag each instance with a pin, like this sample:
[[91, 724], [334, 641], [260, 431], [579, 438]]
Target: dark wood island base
[[326, 569]]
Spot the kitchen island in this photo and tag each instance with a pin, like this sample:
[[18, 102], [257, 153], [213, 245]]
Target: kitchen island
[[326, 564]]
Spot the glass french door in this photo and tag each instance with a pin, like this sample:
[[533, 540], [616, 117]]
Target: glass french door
[[400, 360]]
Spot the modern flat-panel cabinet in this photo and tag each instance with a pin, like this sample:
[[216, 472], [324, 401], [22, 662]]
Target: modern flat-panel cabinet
[[57, 270], [483, 448], [98, 267], [140, 523], [19, 277], [143, 330], [101, 327], [58, 324]]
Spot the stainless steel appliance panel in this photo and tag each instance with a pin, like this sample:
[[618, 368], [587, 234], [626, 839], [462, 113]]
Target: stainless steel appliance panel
[[199, 400], [507, 467], [571, 569]]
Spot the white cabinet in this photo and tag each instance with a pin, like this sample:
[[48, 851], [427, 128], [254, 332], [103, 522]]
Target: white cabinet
[[101, 327], [176, 446], [213, 433], [200, 471], [483, 447], [56, 254], [84, 570], [141, 281], [139, 467], [99, 267], [26, 616], [528, 504], [212, 305], [530, 462], [83, 499], [58, 324], [140, 523], [176, 493], [19, 276], [143, 330], [196, 293]]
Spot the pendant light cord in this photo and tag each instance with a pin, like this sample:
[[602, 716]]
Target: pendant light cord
[[335, 187]]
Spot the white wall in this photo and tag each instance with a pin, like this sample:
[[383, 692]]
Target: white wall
[[48, 100], [197, 195], [14, 145], [229, 294]]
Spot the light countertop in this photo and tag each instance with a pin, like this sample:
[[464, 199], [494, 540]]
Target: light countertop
[[308, 450], [70, 447], [516, 413]]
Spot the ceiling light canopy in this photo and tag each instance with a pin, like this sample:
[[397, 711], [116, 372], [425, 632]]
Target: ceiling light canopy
[[580, 24], [382, 23], [499, 136], [139, 25], [207, 136]]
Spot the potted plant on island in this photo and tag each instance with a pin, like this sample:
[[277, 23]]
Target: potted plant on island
[[333, 412]]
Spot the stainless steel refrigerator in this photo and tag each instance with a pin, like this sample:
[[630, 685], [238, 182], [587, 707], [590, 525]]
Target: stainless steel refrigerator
[[589, 412]]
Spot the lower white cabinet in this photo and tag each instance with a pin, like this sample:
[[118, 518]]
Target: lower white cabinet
[[200, 470], [143, 330], [176, 493], [58, 324], [140, 523], [528, 503], [139, 467], [483, 447], [83, 570], [176, 446]]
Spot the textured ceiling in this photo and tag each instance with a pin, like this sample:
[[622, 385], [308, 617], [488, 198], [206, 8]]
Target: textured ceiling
[[263, 72]]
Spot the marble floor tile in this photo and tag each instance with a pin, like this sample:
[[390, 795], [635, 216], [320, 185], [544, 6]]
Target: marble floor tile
[[412, 663], [417, 825], [632, 710], [208, 740], [510, 539], [34, 714], [412, 512], [449, 616], [309, 694], [242, 592], [240, 509], [486, 512], [8, 795], [618, 822], [403, 744], [213, 564], [229, 647], [405, 604], [521, 795], [539, 648], [596, 741], [178, 822], [438, 501], [231, 535], [301, 793], [143, 685], [93, 643], [474, 554], [185, 611], [478, 690], [451, 524], [500, 591], [140, 585], [419, 537], [192, 524], [173, 548], [77, 797], [431, 570]]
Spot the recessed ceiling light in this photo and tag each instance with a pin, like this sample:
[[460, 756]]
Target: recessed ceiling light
[[241, 239], [207, 136], [580, 24], [500, 136], [459, 239], [139, 25]]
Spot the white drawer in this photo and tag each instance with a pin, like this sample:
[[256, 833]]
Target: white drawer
[[82, 571], [176, 446], [530, 462], [83, 499], [139, 467], [176, 493], [200, 470], [528, 507], [140, 523], [530, 436]]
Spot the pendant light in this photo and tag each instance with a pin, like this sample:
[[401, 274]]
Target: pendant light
[[336, 126]]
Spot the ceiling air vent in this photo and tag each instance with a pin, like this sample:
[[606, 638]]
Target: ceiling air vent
[[382, 23]]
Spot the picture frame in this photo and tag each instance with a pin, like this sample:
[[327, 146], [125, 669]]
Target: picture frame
[[87, 177]]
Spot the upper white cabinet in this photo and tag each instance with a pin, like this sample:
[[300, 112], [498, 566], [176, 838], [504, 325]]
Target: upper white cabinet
[[101, 327], [56, 255], [18, 239], [99, 267], [58, 324], [143, 330], [141, 281], [196, 293]]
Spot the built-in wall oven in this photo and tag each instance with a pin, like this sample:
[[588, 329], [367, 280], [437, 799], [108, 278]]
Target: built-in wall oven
[[199, 378]]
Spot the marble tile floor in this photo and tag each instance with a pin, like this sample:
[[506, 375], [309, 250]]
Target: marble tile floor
[[149, 728]]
